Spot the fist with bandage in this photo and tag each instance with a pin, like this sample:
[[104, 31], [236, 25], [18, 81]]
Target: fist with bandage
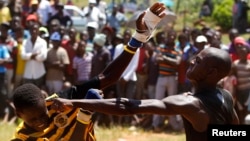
[[84, 116], [146, 24]]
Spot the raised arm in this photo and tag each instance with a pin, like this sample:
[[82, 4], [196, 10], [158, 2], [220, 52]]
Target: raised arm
[[144, 29]]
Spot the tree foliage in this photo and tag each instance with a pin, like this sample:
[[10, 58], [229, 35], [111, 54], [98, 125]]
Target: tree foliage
[[222, 14]]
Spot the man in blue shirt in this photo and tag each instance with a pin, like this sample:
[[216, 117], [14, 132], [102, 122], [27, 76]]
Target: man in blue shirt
[[4, 56]]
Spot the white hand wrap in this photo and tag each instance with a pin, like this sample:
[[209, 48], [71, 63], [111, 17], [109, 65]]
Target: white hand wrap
[[151, 20], [84, 116], [142, 37]]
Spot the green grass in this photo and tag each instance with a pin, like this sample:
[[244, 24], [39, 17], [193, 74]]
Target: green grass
[[116, 133], [6, 131]]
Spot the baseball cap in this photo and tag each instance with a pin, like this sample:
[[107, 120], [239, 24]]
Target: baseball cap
[[200, 39], [240, 40], [45, 31], [99, 39], [31, 17], [55, 36]]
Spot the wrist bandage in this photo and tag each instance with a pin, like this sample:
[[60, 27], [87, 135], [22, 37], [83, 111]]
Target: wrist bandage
[[84, 116]]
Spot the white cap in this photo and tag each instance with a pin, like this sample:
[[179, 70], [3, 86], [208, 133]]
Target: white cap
[[200, 39], [93, 25], [92, 1], [99, 39], [55, 36]]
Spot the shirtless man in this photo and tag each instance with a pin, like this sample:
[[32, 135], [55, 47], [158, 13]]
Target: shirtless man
[[207, 105]]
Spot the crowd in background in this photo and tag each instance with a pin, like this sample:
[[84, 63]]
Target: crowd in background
[[39, 45]]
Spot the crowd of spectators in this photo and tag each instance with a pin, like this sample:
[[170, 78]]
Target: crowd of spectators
[[39, 45]]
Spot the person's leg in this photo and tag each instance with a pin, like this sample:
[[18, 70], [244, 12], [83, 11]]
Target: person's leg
[[18, 80], [140, 85], [58, 85], [174, 121], [151, 91], [40, 82], [9, 85], [242, 96], [130, 89], [130, 93], [3, 96], [159, 94], [49, 86]]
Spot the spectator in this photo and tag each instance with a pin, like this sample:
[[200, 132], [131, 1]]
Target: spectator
[[141, 74], [64, 19], [25, 11], [94, 14], [5, 15], [241, 71], [44, 11], [35, 53], [206, 8], [11, 45], [15, 23], [54, 26], [200, 43], [152, 70], [44, 34], [116, 19], [82, 63], [4, 58], [53, 7], [101, 56], [92, 28], [188, 53], [84, 36], [19, 62], [15, 7], [235, 11], [57, 59], [168, 59], [242, 16], [70, 46], [34, 4]]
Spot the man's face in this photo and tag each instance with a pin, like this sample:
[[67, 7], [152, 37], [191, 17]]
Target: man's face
[[34, 31], [56, 43], [72, 34], [36, 117], [198, 67]]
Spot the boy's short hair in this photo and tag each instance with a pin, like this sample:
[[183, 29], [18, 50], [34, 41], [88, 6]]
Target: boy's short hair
[[27, 95]]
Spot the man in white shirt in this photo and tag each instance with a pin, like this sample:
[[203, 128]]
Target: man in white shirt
[[44, 10], [35, 53], [94, 14]]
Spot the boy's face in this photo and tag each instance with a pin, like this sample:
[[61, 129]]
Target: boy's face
[[242, 51], [36, 117]]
